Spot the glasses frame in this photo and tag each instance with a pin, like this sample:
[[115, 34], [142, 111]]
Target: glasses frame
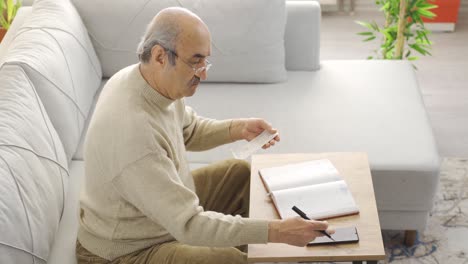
[[197, 70]]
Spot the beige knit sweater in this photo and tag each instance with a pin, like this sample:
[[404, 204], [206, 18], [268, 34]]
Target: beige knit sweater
[[138, 189]]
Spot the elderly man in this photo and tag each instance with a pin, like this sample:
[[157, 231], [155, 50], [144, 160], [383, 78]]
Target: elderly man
[[140, 202]]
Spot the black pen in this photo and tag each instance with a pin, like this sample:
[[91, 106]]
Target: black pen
[[303, 215]]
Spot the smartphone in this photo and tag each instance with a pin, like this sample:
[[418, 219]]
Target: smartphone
[[341, 235]]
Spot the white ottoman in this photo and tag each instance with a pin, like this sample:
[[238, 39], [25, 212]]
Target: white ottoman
[[370, 106]]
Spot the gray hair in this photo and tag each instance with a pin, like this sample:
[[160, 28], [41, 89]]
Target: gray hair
[[163, 33]]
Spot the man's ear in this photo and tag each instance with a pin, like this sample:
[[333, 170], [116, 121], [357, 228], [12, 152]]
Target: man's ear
[[158, 55]]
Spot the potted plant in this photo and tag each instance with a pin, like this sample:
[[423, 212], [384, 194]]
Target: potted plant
[[8, 9], [403, 32]]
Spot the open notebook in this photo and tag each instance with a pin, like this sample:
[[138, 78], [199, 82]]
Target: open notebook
[[314, 186]]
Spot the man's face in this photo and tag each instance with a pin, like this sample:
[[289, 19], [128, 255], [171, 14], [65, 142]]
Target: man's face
[[192, 49]]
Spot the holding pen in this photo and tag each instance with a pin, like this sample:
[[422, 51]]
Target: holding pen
[[303, 215]]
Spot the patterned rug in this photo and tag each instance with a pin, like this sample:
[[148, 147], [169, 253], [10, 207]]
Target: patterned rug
[[445, 239]]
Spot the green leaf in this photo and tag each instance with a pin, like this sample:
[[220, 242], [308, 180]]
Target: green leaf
[[427, 39], [389, 55], [419, 49], [10, 6], [413, 58], [3, 23], [375, 26], [423, 41], [367, 33], [385, 7], [369, 38], [386, 45], [365, 24], [406, 34], [426, 13], [17, 6], [388, 36], [408, 53], [390, 48], [370, 58], [428, 6]]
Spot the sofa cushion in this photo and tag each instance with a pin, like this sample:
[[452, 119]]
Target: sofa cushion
[[55, 51], [302, 36], [247, 36], [33, 172], [343, 107]]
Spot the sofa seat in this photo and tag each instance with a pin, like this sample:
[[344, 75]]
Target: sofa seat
[[63, 250], [369, 106]]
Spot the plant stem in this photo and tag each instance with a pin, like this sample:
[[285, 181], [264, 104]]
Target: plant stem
[[400, 41], [387, 24]]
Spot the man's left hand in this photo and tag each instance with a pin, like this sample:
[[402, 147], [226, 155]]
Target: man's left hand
[[249, 128]]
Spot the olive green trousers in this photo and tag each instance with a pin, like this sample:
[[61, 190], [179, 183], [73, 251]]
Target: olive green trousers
[[222, 187]]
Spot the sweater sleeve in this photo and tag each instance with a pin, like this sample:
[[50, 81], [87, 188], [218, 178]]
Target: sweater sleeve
[[203, 133], [152, 185]]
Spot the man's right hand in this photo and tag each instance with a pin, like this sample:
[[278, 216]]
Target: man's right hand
[[296, 231]]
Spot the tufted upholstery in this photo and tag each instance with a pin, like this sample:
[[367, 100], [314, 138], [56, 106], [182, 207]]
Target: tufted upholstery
[[33, 172], [53, 48]]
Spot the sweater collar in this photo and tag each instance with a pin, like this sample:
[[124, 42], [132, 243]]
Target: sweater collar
[[150, 93]]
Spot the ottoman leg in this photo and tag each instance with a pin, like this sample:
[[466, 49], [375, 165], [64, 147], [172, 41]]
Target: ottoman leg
[[410, 237], [341, 6]]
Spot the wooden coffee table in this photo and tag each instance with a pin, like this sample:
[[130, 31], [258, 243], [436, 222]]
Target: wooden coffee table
[[354, 168]]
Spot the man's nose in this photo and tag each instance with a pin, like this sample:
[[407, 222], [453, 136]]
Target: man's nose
[[203, 75]]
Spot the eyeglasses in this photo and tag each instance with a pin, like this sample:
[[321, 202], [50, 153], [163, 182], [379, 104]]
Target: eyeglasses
[[197, 70]]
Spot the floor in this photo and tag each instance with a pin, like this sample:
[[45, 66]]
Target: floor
[[443, 77]]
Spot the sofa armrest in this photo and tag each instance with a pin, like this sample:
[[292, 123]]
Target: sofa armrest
[[302, 36], [20, 17]]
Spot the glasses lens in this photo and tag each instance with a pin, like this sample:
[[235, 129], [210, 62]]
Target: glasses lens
[[203, 68], [199, 70]]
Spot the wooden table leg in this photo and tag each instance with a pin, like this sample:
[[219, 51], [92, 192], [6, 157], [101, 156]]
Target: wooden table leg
[[410, 237]]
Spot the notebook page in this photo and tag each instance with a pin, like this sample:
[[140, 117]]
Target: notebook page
[[317, 201], [299, 174]]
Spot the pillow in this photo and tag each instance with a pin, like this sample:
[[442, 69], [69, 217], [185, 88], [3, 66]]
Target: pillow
[[33, 172], [54, 49], [247, 36]]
